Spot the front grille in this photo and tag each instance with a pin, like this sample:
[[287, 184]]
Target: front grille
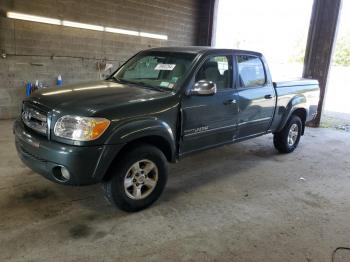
[[34, 118]]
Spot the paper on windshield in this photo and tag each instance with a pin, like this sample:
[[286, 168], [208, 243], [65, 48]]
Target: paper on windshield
[[168, 67]]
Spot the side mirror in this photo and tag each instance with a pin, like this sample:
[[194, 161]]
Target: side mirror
[[204, 88]]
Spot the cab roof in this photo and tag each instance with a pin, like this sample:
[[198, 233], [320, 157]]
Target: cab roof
[[201, 49]]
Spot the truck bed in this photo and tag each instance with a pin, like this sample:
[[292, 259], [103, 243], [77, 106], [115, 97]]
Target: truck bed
[[296, 82], [303, 91]]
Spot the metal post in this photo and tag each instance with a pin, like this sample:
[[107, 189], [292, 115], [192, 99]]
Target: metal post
[[319, 47], [206, 22]]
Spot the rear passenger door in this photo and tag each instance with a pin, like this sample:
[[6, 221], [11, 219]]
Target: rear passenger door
[[256, 96]]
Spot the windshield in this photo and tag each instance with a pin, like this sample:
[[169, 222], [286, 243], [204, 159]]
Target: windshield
[[160, 70]]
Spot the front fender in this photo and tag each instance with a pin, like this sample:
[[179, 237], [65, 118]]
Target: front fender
[[136, 129], [297, 102]]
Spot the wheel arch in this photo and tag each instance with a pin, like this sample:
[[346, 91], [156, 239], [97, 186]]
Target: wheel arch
[[150, 131], [154, 140], [297, 106]]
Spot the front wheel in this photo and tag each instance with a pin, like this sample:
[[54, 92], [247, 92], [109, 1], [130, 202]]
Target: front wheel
[[287, 140], [137, 179]]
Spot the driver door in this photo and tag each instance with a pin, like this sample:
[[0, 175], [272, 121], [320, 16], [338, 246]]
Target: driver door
[[210, 121]]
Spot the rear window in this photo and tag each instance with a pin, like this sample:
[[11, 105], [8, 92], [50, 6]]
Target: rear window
[[251, 71]]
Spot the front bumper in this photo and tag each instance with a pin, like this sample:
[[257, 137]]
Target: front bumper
[[86, 164]]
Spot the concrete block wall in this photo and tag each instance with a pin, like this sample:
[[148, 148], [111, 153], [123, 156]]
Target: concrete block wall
[[36, 51]]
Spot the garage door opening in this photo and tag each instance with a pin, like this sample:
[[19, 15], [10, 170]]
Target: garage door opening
[[276, 28], [338, 91]]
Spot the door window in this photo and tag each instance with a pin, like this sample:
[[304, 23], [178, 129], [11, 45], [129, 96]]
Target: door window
[[217, 69], [250, 71]]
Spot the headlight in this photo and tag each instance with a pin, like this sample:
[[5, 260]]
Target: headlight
[[80, 128]]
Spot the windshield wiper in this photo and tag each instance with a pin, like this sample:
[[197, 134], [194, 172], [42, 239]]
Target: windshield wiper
[[150, 86], [140, 83], [122, 81]]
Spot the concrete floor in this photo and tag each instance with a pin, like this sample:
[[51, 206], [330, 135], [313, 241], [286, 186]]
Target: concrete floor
[[242, 202]]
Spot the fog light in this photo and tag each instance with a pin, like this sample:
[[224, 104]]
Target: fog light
[[65, 173], [61, 173]]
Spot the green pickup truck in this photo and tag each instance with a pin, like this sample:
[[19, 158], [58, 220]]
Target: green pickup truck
[[161, 105]]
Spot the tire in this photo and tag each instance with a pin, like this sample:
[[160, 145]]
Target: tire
[[282, 140], [130, 187]]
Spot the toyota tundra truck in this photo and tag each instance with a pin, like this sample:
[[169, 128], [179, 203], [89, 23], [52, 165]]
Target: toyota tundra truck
[[158, 107]]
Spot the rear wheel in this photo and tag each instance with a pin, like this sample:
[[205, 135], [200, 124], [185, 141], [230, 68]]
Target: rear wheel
[[137, 179], [287, 140]]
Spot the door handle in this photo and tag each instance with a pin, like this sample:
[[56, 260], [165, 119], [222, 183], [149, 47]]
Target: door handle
[[269, 96], [230, 102]]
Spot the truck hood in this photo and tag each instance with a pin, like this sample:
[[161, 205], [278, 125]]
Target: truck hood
[[94, 97]]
